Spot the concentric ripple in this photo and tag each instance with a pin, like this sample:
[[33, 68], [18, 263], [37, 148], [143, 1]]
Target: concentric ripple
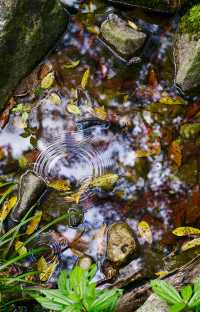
[[74, 158]]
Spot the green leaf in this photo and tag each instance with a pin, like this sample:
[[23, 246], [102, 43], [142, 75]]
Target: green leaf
[[56, 296], [195, 300], [197, 284], [78, 281], [166, 292], [92, 271], [63, 282], [177, 307], [186, 293], [48, 304], [107, 301]]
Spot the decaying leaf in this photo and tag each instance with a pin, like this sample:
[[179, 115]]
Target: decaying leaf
[[175, 152], [85, 78], [185, 231], [73, 109], [46, 270], [33, 225], [72, 64], [75, 197], [7, 207], [132, 25], [47, 81], [168, 100], [20, 248], [60, 185], [55, 99], [191, 244], [151, 152], [105, 181], [100, 113], [145, 231]]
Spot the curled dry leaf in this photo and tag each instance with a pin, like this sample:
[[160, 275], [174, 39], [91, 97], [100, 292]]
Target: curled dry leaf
[[33, 225], [185, 231], [7, 207], [145, 231]]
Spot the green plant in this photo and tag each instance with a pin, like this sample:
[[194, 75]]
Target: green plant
[[188, 299], [190, 22], [77, 293]]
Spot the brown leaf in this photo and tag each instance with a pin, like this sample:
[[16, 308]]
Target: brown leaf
[[4, 116], [175, 152]]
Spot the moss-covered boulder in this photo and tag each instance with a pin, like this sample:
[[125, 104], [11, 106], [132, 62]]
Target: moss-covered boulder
[[157, 5], [27, 31], [187, 51]]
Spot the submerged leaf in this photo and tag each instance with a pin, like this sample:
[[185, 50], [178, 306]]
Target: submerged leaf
[[100, 113], [73, 109], [55, 99], [145, 231], [151, 152], [60, 185], [72, 64], [7, 207], [176, 152], [34, 223], [185, 230], [189, 131], [20, 248], [47, 81], [85, 78], [168, 100], [105, 181], [191, 244]]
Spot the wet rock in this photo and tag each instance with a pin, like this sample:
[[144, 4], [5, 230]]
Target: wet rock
[[187, 52], [31, 188], [159, 5], [121, 244], [28, 30], [122, 37], [85, 262]]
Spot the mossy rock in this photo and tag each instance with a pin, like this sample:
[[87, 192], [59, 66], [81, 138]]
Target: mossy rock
[[157, 5], [187, 51], [28, 29]]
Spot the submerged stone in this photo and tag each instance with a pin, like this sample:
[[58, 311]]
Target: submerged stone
[[28, 30], [121, 36], [187, 51]]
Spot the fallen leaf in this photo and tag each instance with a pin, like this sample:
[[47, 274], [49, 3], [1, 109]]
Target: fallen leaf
[[85, 78], [175, 152], [93, 29], [60, 185], [191, 244], [105, 181], [189, 131], [161, 273], [145, 231], [151, 152], [7, 207], [132, 25], [186, 230], [100, 113], [4, 115], [2, 153], [20, 248], [55, 99], [46, 270], [168, 100], [33, 225], [47, 81], [73, 109], [72, 64]]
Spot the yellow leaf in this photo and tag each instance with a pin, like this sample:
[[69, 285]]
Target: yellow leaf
[[60, 185], [151, 152], [20, 248], [186, 230], [175, 152], [47, 81], [161, 273], [105, 181], [132, 25], [72, 64], [73, 198], [34, 223], [100, 113], [73, 109], [93, 29], [85, 78], [55, 99], [7, 206], [46, 270], [145, 231], [168, 100], [191, 244]]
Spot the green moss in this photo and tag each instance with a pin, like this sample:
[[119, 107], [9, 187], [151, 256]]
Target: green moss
[[190, 22]]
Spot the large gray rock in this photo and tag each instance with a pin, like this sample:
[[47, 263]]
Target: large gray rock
[[122, 37], [157, 5], [28, 29]]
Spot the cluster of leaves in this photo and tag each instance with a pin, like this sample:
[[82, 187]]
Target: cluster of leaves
[[23, 110], [187, 299], [76, 293], [190, 22]]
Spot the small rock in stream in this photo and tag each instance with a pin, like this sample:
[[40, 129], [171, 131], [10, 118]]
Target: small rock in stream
[[121, 36]]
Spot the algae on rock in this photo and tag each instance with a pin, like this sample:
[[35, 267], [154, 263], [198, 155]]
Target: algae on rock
[[28, 29]]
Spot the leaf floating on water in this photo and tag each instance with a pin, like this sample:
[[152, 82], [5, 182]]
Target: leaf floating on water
[[7, 207], [73, 109], [145, 231], [33, 225], [20, 248], [47, 81], [72, 64], [168, 100], [55, 99], [100, 113], [175, 152], [191, 244], [46, 270], [105, 181], [186, 230], [85, 78], [60, 185]]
